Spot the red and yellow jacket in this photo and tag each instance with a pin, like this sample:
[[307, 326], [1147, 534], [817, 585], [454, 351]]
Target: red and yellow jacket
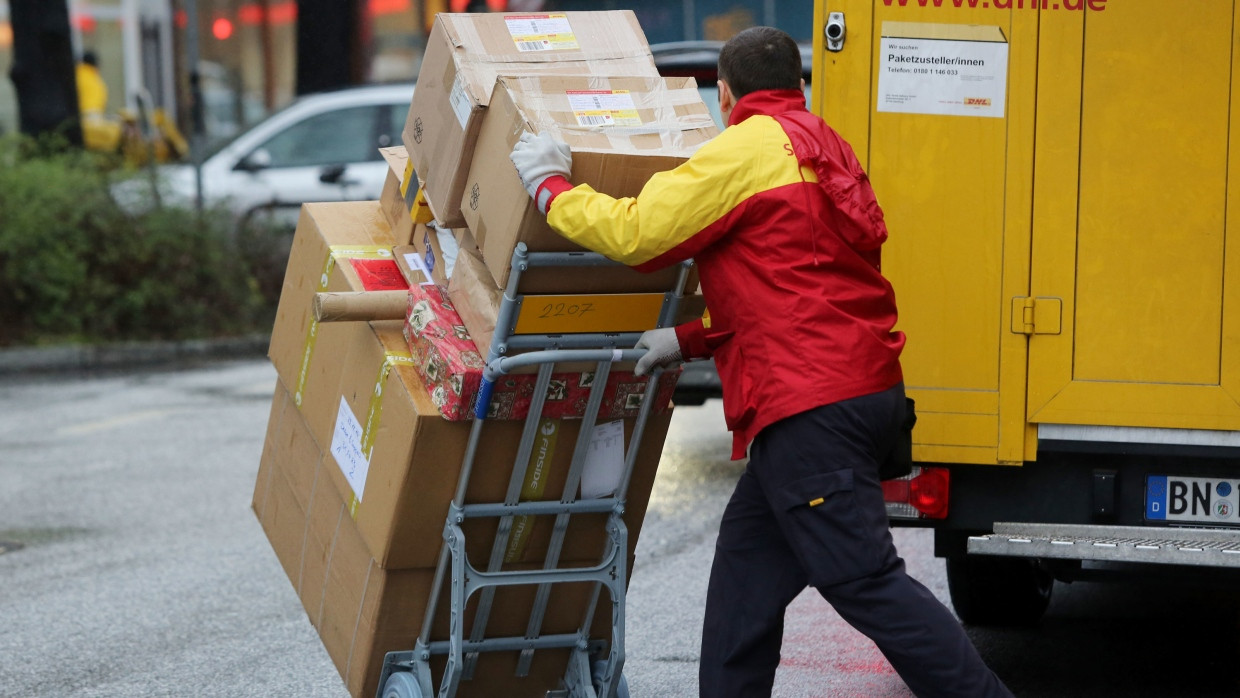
[[785, 230]]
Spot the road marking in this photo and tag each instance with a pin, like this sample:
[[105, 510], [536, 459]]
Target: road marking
[[112, 422]]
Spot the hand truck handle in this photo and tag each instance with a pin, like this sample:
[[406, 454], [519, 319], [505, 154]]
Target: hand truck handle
[[504, 365]]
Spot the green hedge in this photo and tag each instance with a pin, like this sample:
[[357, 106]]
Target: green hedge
[[75, 267]]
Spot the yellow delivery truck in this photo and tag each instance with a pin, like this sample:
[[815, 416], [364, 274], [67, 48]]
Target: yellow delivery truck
[[1065, 247]]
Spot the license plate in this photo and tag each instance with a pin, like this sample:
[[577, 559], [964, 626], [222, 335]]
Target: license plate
[[1200, 499]]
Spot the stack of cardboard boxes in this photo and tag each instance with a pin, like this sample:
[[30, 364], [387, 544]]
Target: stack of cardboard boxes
[[369, 421]]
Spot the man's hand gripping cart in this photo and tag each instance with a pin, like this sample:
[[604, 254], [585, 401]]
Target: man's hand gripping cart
[[604, 336]]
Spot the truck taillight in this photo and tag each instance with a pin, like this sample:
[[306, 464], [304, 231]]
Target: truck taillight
[[922, 494]]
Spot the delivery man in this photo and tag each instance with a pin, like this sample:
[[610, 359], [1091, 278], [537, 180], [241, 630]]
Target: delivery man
[[785, 230]]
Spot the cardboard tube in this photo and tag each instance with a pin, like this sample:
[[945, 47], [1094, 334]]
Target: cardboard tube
[[363, 305]]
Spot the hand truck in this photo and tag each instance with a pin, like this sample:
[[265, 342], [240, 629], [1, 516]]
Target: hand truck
[[595, 666]]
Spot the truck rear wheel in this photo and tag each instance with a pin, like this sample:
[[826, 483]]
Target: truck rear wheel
[[993, 590]]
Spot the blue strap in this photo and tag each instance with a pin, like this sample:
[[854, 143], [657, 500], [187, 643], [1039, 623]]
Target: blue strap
[[485, 388]]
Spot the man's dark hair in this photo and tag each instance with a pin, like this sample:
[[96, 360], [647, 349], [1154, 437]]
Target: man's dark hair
[[760, 58], [90, 58]]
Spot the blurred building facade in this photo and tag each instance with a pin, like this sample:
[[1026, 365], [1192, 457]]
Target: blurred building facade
[[247, 48]]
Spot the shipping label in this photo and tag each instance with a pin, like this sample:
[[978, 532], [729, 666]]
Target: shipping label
[[347, 450], [548, 32], [460, 102], [603, 108], [415, 261], [604, 466]]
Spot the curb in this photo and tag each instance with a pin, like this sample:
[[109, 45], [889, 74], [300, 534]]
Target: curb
[[86, 357]]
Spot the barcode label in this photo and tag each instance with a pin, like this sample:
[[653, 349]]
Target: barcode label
[[603, 108], [542, 32]]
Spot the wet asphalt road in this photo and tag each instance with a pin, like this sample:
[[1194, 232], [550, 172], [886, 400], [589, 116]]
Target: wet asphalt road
[[131, 565]]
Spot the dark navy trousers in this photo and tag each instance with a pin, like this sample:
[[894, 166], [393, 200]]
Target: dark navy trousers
[[808, 511]]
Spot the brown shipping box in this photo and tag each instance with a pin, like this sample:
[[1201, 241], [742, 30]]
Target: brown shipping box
[[477, 299], [621, 130], [466, 52], [403, 201], [397, 198], [354, 385], [338, 246], [363, 611], [396, 462]]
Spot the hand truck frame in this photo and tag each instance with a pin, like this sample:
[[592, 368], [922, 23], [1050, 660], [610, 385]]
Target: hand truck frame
[[596, 664]]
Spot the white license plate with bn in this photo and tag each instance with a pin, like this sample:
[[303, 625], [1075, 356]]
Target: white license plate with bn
[[1192, 499]]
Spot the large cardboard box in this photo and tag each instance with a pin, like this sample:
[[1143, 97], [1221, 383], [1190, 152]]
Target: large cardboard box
[[339, 246], [622, 130], [361, 610], [394, 459], [466, 52]]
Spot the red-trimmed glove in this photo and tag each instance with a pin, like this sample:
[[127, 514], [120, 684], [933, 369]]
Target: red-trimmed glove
[[538, 158]]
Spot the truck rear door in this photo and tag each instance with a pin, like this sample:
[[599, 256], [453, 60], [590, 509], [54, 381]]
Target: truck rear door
[[1134, 190], [954, 182]]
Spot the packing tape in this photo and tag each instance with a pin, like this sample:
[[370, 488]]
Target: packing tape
[[420, 210], [406, 178], [375, 409], [357, 622], [647, 93], [662, 125], [612, 43], [331, 551], [305, 529], [414, 196], [541, 457], [334, 253]]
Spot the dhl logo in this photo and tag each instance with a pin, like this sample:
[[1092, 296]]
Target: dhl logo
[[977, 101]]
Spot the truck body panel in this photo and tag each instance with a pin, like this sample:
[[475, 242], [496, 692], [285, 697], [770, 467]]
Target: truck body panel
[[1066, 262], [1061, 192]]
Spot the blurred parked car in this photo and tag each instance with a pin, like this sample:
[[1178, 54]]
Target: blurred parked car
[[321, 147], [699, 60]]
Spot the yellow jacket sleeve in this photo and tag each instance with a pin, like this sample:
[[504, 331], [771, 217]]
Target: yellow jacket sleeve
[[664, 222]]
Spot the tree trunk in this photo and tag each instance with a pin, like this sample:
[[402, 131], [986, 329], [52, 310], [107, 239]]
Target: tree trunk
[[43, 68], [326, 38]]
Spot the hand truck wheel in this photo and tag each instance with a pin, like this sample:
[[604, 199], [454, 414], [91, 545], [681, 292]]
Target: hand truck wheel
[[622, 686], [402, 684]]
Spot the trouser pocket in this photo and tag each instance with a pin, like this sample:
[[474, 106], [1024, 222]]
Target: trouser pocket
[[824, 526]]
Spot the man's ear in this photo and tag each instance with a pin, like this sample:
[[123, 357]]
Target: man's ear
[[726, 100]]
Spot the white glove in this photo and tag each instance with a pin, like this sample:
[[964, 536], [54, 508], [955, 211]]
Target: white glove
[[537, 158], [662, 349]]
